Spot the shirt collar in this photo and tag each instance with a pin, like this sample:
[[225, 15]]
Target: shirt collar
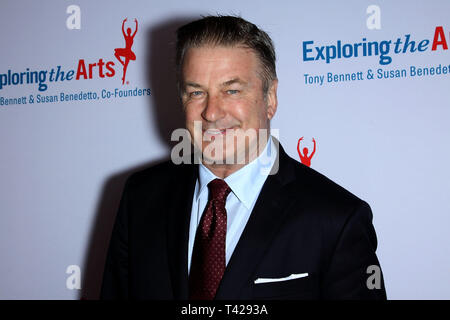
[[253, 174]]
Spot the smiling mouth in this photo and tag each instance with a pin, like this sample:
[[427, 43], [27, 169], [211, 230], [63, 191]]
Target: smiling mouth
[[214, 132], [217, 132]]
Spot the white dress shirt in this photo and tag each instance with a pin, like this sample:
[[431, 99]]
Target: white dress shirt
[[245, 185]]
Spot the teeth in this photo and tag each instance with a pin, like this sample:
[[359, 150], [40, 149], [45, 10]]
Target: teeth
[[214, 131]]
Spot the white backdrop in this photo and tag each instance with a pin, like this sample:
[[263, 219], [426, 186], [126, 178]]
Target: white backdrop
[[63, 163]]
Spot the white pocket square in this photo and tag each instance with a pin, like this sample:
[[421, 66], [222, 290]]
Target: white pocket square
[[291, 277]]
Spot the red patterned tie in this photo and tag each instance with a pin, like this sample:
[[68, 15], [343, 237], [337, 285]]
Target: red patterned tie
[[208, 257]]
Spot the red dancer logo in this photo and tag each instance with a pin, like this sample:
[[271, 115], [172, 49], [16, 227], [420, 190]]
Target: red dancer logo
[[304, 157], [126, 52]]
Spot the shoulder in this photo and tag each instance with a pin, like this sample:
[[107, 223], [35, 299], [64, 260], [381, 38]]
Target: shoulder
[[325, 207], [320, 186], [320, 195], [158, 176]]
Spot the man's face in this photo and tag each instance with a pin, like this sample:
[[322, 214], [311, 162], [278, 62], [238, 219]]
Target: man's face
[[223, 90]]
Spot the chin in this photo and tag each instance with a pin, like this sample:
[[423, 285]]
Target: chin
[[224, 157]]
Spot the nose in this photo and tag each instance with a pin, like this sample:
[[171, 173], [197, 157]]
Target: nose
[[213, 110]]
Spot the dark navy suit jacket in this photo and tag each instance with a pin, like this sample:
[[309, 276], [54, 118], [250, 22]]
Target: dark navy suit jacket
[[302, 222]]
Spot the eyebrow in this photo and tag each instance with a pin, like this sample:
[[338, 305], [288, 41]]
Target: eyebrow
[[224, 84], [233, 81], [192, 84]]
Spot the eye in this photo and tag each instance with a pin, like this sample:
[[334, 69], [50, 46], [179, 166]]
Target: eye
[[232, 91], [195, 94]]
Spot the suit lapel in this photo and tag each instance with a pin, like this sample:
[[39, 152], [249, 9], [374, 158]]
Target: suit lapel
[[267, 215], [180, 205]]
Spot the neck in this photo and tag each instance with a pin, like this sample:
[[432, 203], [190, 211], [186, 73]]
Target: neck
[[223, 170]]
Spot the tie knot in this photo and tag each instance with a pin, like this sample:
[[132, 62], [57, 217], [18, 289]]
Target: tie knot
[[218, 190]]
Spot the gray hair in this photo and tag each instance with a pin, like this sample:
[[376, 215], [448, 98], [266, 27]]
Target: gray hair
[[227, 31]]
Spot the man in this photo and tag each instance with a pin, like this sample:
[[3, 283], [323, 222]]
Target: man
[[228, 228]]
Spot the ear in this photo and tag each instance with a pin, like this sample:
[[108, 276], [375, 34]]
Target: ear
[[272, 101]]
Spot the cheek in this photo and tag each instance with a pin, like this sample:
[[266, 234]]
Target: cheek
[[189, 122], [252, 114], [243, 110], [191, 113]]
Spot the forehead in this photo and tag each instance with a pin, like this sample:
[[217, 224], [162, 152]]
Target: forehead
[[219, 62]]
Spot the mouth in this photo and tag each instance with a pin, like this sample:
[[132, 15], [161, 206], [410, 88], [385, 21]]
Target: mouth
[[217, 132], [214, 132]]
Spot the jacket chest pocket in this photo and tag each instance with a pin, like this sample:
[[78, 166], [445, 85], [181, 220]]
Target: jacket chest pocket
[[301, 288]]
